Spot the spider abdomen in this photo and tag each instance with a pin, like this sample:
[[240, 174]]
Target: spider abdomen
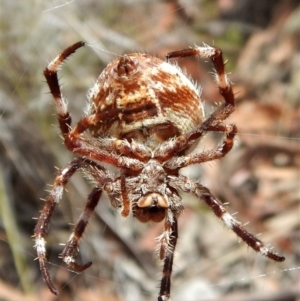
[[153, 100]]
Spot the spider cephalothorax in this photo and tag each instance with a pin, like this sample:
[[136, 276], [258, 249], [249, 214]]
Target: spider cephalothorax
[[144, 115]]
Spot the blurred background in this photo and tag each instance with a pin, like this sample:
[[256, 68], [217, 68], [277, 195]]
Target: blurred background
[[259, 178]]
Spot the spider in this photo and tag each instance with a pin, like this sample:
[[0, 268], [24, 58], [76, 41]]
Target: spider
[[144, 116]]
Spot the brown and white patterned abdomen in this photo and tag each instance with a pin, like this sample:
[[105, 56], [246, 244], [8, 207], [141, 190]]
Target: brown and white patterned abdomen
[[148, 100]]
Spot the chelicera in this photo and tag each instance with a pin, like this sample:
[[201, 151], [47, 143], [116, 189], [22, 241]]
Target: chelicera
[[144, 115]]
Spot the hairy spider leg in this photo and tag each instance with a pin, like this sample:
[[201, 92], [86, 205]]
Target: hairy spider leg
[[42, 226], [168, 243], [187, 185], [50, 73], [71, 249], [177, 162]]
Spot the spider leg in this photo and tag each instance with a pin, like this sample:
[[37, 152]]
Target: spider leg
[[42, 226], [50, 73], [215, 54], [167, 244], [210, 155], [220, 211], [125, 199], [87, 149], [71, 248]]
